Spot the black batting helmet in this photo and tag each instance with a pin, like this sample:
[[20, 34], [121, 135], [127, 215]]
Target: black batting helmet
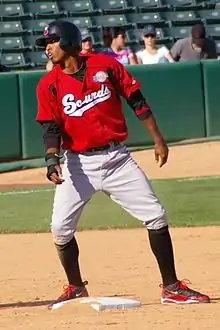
[[66, 32]]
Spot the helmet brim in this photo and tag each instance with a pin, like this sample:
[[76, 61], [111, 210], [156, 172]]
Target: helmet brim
[[43, 41]]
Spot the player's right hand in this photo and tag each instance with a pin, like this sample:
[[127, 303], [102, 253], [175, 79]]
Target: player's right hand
[[161, 152], [54, 174]]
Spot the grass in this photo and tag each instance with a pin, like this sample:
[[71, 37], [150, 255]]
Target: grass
[[189, 203]]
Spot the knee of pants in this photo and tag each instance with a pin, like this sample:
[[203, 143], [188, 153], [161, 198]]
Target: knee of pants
[[158, 222], [61, 235]]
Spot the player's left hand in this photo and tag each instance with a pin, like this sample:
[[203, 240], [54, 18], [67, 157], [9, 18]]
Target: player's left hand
[[161, 152]]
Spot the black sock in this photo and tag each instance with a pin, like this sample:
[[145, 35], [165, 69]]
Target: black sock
[[69, 254], [161, 246]]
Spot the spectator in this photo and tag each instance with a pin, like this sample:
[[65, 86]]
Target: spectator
[[195, 47], [49, 65], [114, 39], [152, 54], [87, 46]]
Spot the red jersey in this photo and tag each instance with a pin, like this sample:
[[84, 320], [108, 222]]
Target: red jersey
[[89, 113]]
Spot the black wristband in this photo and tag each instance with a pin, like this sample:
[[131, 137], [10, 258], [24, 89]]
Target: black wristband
[[52, 159], [50, 170]]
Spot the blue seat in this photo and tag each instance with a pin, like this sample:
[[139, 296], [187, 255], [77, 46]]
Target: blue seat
[[133, 35], [97, 37], [30, 40], [78, 8], [217, 42], [36, 26], [143, 19], [181, 17], [176, 32], [211, 16], [82, 22], [47, 9], [12, 11], [182, 4], [11, 28], [12, 45], [213, 30], [212, 4], [113, 6], [147, 5], [14, 61], [12, 1], [110, 20], [36, 59]]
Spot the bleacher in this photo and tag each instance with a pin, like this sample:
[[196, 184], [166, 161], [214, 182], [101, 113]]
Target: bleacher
[[22, 21]]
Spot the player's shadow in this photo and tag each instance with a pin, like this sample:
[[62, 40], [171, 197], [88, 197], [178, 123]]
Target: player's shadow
[[23, 304]]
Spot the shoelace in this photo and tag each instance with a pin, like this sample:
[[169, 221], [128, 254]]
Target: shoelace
[[182, 284], [68, 289]]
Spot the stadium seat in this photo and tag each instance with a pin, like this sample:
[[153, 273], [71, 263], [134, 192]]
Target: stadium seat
[[217, 42], [36, 59], [11, 28], [182, 4], [143, 19], [30, 40], [12, 45], [133, 35], [213, 31], [110, 20], [78, 8], [181, 17], [14, 61], [36, 26], [147, 5], [113, 6], [12, 1], [177, 32], [43, 9], [211, 16], [97, 37], [82, 22], [212, 4], [12, 11], [133, 38]]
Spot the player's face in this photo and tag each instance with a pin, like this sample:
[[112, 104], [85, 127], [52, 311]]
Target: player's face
[[54, 52], [149, 40]]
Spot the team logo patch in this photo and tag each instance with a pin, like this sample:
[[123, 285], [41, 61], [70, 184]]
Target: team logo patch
[[100, 76], [46, 31]]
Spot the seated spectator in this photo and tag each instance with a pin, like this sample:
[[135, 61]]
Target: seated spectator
[[114, 39], [195, 47], [87, 46], [152, 54]]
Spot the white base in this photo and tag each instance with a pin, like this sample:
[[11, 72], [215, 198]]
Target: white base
[[104, 303]]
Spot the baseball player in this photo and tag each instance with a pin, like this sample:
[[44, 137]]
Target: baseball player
[[79, 108]]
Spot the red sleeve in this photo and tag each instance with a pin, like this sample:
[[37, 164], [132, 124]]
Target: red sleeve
[[46, 105], [125, 83]]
